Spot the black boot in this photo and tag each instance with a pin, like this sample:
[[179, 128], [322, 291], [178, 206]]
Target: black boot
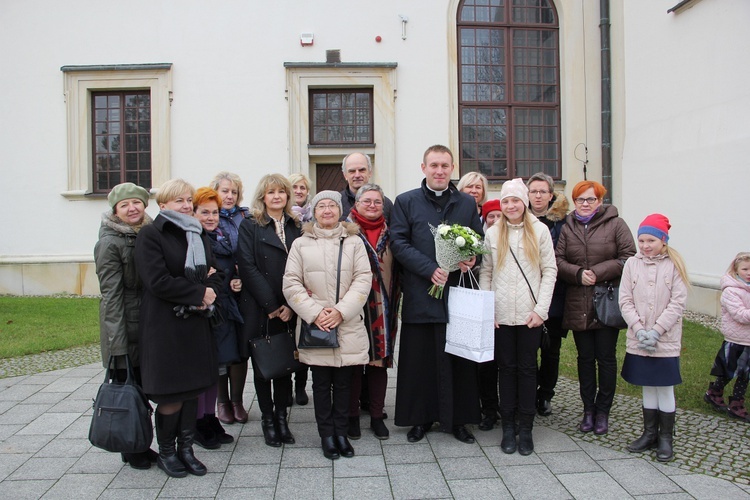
[[508, 443], [354, 431], [219, 432], [282, 427], [300, 381], [166, 433], [664, 451], [525, 441], [269, 430], [185, 439], [136, 460], [205, 435], [650, 430]]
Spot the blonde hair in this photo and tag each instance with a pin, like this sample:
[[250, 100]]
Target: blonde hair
[[173, 188], [296, 178], [268, 181], [229, 176], [740, 257], [530, 243], [471, 178], [679, 263]]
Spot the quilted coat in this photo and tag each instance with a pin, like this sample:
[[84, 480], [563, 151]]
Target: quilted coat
[[653, 296], [603, 245], [735, 310], [513, 300], [311, 267]]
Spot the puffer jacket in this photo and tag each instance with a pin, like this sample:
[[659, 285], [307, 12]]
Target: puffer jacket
[[311, 266], [653, 296], [735, 310], [513, 300], [603, 245], [121, 289]]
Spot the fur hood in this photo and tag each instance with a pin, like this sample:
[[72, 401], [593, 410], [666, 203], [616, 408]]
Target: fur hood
[[311, 230], [559, 207]]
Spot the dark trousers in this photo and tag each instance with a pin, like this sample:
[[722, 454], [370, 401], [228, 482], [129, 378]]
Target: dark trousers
[[282, 388], [331, 393], [515, 353], [549, 360], [488, 385], [375, 378], [597, 350]]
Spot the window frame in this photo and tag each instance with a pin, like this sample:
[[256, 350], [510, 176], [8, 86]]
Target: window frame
[[313, 91], [79, 83]]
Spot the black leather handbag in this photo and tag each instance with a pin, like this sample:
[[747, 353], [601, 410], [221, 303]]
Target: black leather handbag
[[311, 336], [121, 422], [274, 354], [607, 305]]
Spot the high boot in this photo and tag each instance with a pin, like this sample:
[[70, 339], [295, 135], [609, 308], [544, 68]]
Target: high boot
[[664, 451], [508, 442], [715, 396], [282, 426], [269, 430], [185, 439], [650, 431], [166, 433], [525, 440]]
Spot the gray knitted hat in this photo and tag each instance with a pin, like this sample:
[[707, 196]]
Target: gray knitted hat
[[328, 195]]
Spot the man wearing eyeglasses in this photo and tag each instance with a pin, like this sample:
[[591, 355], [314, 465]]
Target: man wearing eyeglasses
[[550, 208], [432, 386], [357, 170]]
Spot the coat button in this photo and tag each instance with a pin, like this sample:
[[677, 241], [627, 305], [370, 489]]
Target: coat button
[[439, 210]]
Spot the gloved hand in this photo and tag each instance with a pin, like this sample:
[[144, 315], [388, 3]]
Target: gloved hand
[[640, 334], [648, 343]]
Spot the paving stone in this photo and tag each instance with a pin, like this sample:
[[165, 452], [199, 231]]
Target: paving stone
[[25, 490], [192, 486], [548, 440], [24, 444], [214, 460], [18, 392], [361, 488], [43, 468], [245, 493], [411, 453], [639, 477], [45, 398], [11, 462], [79, 486], [444, 445], [67, 384], [51, 423], [417, 481], [303, 484], [359, 466], [593, 485], [567, 462], [467, 468], [250, 476], [532, 481], [304, 457], [98, 463], [500, 459], [253, 450], [479, 489], [709, 488], [131, 494], [24, 414]]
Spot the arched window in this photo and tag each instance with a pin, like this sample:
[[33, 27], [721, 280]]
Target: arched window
[[508, 88]]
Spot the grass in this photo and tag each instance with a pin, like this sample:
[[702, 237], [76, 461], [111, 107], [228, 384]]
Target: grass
[[29, 325], [699, 346]]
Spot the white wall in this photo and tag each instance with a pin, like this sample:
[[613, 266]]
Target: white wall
[[687, 132]]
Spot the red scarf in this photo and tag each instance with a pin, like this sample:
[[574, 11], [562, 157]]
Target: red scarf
[[370, 228]]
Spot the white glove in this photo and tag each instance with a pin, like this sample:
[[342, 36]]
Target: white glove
[[648, 342]]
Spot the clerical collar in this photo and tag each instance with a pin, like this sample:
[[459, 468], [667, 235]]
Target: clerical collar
[[438, 193]]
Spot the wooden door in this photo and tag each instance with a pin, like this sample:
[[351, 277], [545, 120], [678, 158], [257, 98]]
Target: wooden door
[[329, 176]]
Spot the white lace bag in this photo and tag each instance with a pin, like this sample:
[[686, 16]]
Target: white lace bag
[[471, 322]]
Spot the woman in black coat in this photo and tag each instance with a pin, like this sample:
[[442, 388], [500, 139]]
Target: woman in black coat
[[264, 242], [178, 359]]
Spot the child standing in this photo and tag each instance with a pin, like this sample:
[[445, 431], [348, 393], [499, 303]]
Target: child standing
[[733, 357], [653, 295]]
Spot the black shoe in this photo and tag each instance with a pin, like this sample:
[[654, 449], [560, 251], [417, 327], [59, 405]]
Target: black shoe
[[488, 422], [463, 434], [344, 446], [301, 399], [167, 427], [138, 461], [354, 431], [282, 427], [192, 464], [525, 442], [219, 432], [417, 432], [544, 407], [379, 429], [205, 435], [151, 455], [270, 434], [329, 447]]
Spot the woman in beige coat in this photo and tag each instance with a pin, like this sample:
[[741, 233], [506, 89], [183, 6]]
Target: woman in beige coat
[[310, 289]]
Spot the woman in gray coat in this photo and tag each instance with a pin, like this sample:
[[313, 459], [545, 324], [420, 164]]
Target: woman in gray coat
[[114, 256]]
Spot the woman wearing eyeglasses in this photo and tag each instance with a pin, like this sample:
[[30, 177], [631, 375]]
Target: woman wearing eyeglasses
[[593, 247]]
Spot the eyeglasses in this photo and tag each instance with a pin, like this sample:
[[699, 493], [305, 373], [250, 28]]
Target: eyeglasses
[[323, 208], [581, 201], [538, 192], [367, 203]]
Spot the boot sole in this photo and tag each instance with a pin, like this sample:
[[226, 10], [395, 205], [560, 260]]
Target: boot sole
[[171, 473]]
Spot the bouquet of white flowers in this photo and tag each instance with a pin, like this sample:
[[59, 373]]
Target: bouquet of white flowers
[[453, 244]]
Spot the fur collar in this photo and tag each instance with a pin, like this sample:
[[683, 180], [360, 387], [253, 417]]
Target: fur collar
[[114, 223], [559, 208]]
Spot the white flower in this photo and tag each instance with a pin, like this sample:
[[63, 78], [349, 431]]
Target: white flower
[[474, 241], [443, 229], [460, 242]]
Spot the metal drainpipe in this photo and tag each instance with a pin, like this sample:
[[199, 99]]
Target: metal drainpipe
[[606, 99]]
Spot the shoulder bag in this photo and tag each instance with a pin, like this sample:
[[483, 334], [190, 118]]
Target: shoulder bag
[[274, 354], [545, 332], [607, 306], [121, 421], [311, 336]]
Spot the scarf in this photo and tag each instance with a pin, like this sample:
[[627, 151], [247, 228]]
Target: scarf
[[304, 214], [195, 258], [371, 228], [587, 219]]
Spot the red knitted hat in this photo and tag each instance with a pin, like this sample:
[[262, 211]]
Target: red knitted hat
[[489, 206], [656, 225]]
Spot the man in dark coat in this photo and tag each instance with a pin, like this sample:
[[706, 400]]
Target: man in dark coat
[[357, 170], [432, 385]]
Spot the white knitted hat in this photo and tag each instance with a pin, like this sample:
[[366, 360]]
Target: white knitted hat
[[515, 187]]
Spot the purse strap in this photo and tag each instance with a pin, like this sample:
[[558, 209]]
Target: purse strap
[[523, 274], [130, 380], [338, 268]]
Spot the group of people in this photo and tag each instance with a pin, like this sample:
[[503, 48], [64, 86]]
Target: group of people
[[185, 293]]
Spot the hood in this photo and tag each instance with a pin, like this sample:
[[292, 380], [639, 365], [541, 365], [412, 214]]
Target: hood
[[112, 224], [730, 281], [344, 229]]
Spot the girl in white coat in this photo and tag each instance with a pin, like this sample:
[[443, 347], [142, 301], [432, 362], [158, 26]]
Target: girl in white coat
[[521, 270]]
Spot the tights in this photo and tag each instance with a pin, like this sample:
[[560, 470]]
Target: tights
[[232, 385], [740, 385], [659, 398]]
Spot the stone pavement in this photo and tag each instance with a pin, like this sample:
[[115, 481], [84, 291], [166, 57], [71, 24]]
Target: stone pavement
[[44, 453]]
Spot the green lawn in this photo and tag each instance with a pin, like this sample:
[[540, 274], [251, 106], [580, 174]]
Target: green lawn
[[30, 325], [699, 346]]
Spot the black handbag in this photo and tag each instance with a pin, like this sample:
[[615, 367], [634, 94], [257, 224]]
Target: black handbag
[[274, 354], [311, 336], [607, 306], [121, 422]]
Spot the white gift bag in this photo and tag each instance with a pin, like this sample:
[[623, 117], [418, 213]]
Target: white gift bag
[[470, 332]]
